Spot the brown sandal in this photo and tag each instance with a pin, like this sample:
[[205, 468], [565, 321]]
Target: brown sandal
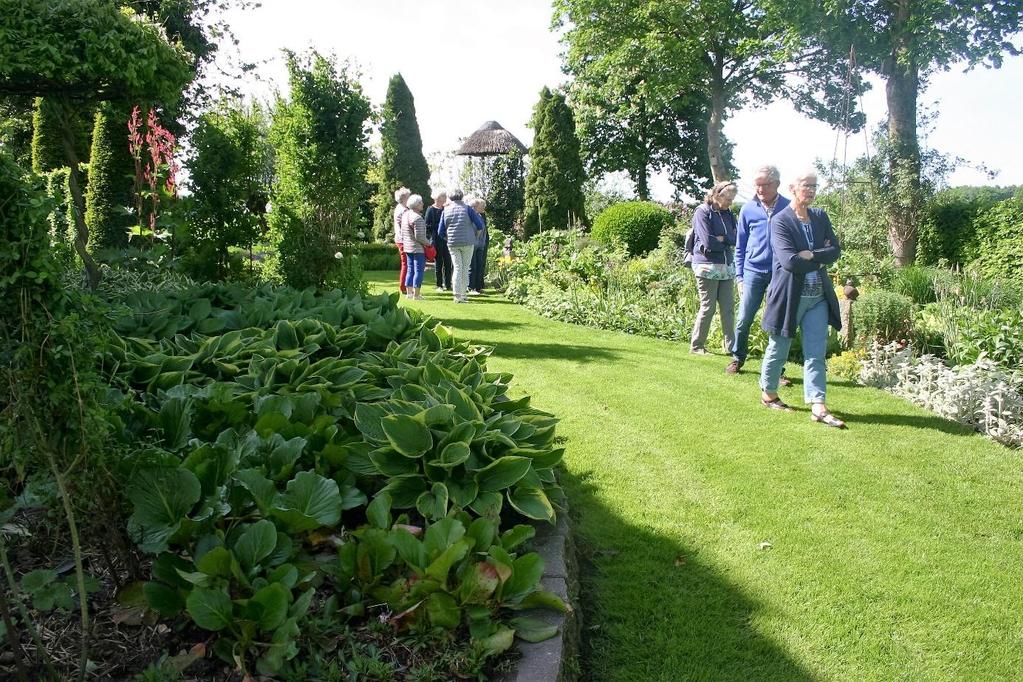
[[776, 404], [828, 419]]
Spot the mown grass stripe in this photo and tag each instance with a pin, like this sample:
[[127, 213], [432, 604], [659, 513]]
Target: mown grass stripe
[[896, 547]]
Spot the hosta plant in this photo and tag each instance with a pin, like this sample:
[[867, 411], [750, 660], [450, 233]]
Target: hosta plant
[[274, 433]]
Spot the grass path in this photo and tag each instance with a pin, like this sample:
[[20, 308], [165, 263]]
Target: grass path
[[896, 547]]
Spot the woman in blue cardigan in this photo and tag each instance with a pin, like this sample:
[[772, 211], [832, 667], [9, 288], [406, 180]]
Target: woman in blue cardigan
[[801, 296], [714, 265]]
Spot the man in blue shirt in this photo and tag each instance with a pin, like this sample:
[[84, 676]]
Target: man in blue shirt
[[753, 256]]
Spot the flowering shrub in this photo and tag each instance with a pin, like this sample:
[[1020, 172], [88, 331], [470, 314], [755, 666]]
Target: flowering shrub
[[152, 146], [847, 365], [981, 395]]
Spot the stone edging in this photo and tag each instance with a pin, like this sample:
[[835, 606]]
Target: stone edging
[[556, 659]]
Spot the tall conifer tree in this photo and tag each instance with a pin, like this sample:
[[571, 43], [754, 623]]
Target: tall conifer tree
[[554, 185], [47, 152], [110, 179], [402, 163]]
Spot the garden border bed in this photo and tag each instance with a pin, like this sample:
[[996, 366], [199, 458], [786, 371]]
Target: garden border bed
[[555, 659]]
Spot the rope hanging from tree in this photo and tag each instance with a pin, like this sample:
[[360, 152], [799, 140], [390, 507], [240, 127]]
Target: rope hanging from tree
[[852, 79]]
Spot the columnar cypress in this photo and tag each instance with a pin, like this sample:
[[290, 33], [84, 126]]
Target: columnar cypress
[[47, 151], [554, 185], [110, 179], [402, 163]]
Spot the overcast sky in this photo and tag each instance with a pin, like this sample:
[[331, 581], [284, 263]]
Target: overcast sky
[[469, 61]]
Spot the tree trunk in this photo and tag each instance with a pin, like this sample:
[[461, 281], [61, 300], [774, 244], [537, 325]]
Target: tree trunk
[[715, 125], [640, 177], [74, 182], [902, 86], [642, 187]]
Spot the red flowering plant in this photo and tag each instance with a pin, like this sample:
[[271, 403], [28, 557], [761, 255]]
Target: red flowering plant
[[152, 146]]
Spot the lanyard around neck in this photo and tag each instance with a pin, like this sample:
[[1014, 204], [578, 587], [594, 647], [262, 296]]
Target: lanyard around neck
[[807, 232]]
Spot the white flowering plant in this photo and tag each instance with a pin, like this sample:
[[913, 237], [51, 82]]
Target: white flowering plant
[[983, 395]]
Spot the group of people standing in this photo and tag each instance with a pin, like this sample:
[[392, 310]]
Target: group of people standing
[[455, 227], [778, 248]]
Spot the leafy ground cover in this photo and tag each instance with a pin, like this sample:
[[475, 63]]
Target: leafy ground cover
[[304, 476], [721, 540]]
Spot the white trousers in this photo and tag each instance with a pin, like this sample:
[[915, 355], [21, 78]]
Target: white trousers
[[461, 258]]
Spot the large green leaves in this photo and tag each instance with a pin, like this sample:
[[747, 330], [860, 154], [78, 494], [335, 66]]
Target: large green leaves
[[532, 503], [161, 498], [405, 490], [533, 629], [433, 504], [526, 573], [442, 535], [176, 422], [256, 543], [408, 435], [269, 606], [502, 473], [163, 599], [310, 501], [279, 426], [210, 609]]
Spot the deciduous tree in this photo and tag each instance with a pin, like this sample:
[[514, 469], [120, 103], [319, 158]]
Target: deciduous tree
[[320, 137], [230, 167], [905, 42], [730, 52], [626, 126]]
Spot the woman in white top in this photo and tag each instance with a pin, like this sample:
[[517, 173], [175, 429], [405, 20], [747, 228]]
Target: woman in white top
[[414, 238]]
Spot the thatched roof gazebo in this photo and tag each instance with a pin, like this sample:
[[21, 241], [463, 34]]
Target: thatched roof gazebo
[[490, 140]]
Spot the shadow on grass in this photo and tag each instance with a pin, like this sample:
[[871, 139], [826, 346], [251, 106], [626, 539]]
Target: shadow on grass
[[492, 299], [934, 423], [652, 610], [483, 324], [549, 351]]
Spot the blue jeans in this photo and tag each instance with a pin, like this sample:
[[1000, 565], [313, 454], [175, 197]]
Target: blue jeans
[[812, 318], [416, 268], [754, 286]]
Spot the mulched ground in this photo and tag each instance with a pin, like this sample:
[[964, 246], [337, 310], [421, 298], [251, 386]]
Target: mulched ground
[[125, 641]]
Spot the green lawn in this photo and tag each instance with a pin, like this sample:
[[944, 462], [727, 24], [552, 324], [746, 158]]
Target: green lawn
[[896, 547]]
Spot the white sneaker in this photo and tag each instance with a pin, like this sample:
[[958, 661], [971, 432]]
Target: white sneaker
[[474, 292], [417, 297], [440, 290]]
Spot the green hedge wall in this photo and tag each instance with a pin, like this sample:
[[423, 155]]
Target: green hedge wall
[[948, 231], [379, 256]]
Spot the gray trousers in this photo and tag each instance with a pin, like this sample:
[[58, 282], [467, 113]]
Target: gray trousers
[[714, 293]]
